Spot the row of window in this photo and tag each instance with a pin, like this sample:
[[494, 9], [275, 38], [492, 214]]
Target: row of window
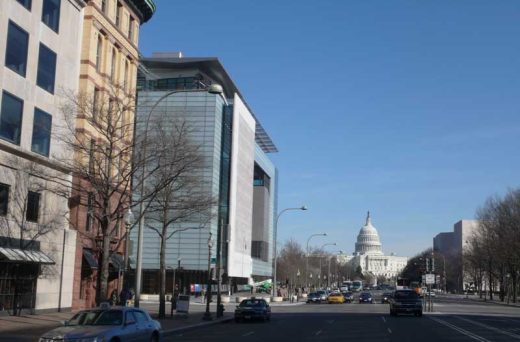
[[50, 12], [33, 203], [119, 13], [113, 65], [17, 53], [11, 113]]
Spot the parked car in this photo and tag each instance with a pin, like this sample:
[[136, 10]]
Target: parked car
[[314, 297], [336, 297], [107, 324], [385, 298], [406, 301], [253, 308], [366, 297], [349, 297], [323, 295]]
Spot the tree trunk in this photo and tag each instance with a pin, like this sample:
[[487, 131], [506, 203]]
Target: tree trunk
[[162, 282]]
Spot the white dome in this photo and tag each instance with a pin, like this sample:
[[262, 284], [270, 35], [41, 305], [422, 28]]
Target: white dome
[[368, 239]]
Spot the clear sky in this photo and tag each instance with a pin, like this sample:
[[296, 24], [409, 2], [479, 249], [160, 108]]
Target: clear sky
[[409, 109]]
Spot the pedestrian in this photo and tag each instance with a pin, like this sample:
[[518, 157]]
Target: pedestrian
[[202, 294], [113, 298], [124, 296]]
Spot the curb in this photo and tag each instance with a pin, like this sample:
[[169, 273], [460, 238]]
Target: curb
[[197, 325], [478, 300]]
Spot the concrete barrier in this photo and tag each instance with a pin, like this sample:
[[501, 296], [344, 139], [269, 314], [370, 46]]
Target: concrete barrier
[[225, 299], [277, 299], [239, 299]]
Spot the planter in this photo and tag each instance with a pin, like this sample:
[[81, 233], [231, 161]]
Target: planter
[[277, 299], [239, 299], [304, 296], [224, 299]]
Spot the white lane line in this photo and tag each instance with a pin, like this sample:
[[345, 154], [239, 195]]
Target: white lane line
[[462, 331], [383, 318], [248, 333], [317, 333], [500, 331], [389, 330]]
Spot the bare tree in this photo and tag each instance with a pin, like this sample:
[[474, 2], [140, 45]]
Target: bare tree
[[182, 199]]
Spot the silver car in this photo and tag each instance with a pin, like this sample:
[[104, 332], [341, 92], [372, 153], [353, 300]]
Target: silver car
[[113, 324]]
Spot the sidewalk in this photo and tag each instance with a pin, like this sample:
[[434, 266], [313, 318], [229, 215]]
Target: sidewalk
[[476, 298]]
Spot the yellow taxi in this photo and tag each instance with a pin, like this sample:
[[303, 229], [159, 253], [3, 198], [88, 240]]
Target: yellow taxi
[[336, 297]]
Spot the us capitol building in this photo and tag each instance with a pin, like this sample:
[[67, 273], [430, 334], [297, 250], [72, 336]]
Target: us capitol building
[[369, 255]]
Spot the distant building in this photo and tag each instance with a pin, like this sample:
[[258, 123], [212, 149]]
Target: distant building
[[238, 173], [369, 255], [451, 246]]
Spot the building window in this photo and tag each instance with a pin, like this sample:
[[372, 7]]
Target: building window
[[51, 14], [95, 104], [26, 3], [33, 206], [104, 6], [113, 66], [91, 156], [99, 52], [90, 211], [11, 118], [119, 8], [131, 22], [41, 138], [16, 49], [4, 198], [126, 75], [46, 69]]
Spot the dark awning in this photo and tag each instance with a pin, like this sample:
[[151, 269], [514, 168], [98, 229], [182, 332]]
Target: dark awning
[[90, 259], [117, 261], [16, 255]]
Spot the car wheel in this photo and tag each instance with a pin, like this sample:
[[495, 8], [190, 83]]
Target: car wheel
[[115, 339], [419, 314], [155, 337], [237, 320]]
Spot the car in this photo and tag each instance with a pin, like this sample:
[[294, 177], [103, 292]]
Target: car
[[336, 297], [366, 297], [323, 295], [343, 288], [253, 308], [107, 324], [406, 301], [314, 297], [349, 297], [385, 298]]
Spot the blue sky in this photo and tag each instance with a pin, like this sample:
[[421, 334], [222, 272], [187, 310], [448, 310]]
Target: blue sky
[[409, 109]]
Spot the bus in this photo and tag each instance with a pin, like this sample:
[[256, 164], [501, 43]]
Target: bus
[[346, 286], [357, 285]]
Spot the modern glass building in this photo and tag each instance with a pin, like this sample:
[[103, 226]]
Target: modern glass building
[[237, 173]]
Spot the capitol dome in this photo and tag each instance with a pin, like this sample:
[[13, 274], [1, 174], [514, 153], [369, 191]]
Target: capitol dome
[[368, 239]]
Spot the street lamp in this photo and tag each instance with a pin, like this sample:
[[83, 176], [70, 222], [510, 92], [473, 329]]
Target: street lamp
[[207, 314], [212, 89], [322, 246], [303, 207], [128, 219], [307, 254]]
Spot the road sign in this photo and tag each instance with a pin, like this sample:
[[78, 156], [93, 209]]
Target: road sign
[[437, 279], [430, 279]]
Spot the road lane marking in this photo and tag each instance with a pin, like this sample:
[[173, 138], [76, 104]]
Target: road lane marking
[[248, 333], [330, 321], [482, 325], [389, 330], [462, 331], [383, 318], [317, 333]]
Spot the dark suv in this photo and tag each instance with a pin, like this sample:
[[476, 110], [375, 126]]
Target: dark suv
[[405, 301]]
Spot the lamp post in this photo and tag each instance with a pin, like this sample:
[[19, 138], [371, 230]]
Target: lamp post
[[207, 314], [328, 273], [275, 247], [307, 254], [128, 219], [212, 89], [322, 246]]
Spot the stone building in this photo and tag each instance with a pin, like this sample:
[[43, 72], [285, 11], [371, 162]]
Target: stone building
[[40, 44], [369, 255]]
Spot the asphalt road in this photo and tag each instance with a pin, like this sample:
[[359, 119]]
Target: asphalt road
[[453, 320]]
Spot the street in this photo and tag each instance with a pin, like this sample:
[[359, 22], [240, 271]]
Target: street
[[454, 319]]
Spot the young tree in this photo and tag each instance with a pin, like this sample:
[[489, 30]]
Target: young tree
[[182, 199]]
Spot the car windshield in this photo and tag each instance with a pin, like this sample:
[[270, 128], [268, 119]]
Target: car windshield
[[405, 295], [97, 317], [252, 303]]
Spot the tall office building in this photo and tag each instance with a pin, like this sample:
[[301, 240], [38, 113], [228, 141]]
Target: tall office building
[[40, 44], [108, 72], [237, 173]]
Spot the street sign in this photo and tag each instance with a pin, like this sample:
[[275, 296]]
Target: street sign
[[437, 279], [424, 278], [430, 279], [213, 261]]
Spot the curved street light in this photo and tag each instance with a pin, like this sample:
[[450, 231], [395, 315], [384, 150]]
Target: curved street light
[[303, 207], [307, 256], [211, 89]]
